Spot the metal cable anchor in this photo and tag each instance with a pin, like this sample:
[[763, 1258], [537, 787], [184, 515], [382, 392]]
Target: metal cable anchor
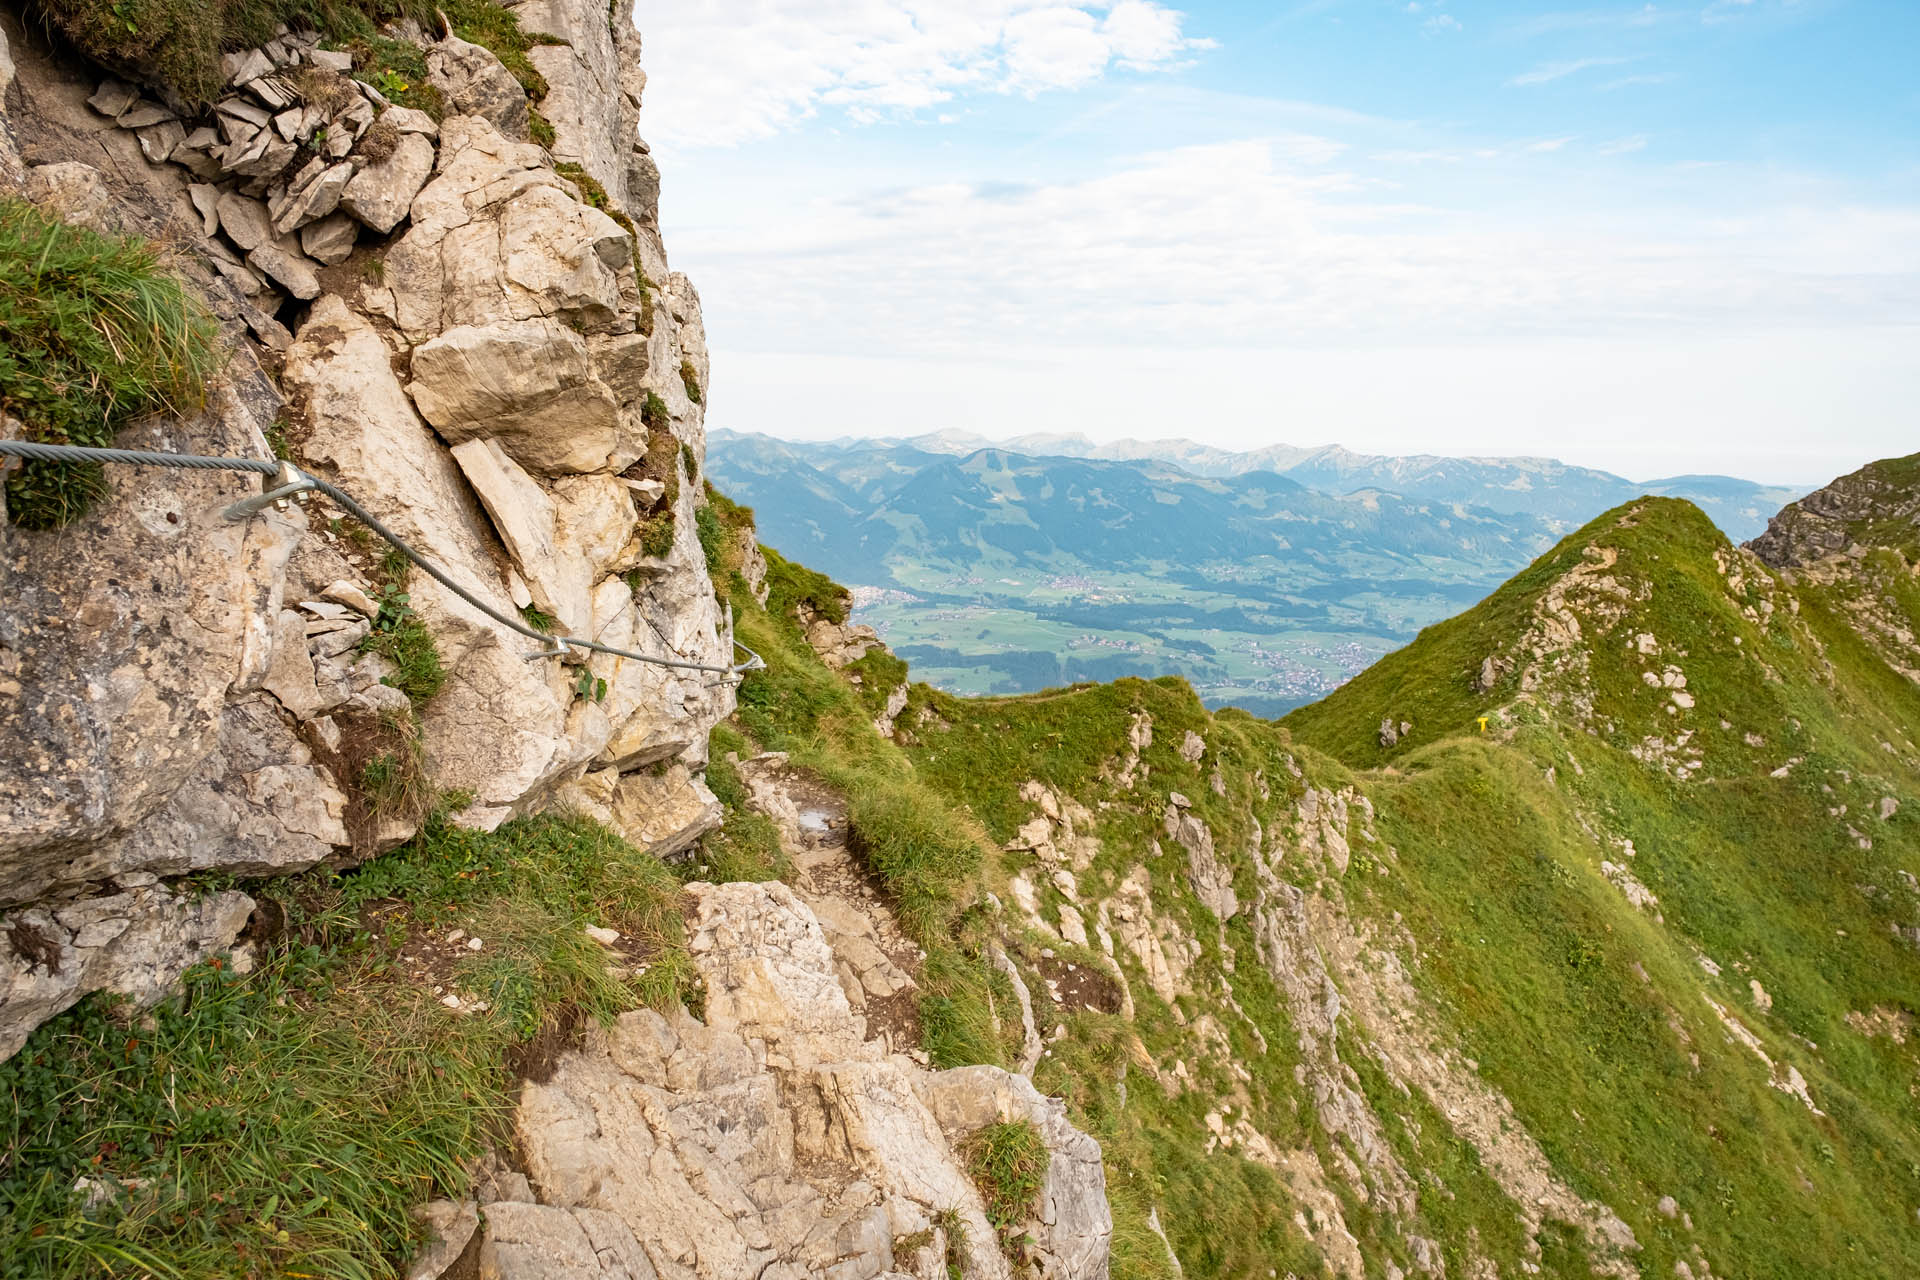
[[286, 481]]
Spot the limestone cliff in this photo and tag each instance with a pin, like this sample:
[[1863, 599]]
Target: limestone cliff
[[477, 336]]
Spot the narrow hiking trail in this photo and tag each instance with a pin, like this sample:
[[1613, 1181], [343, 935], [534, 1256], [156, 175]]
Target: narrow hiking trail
[[874, 959]]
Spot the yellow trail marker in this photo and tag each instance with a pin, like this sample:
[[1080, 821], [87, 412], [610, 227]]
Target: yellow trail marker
[[1483, 724]]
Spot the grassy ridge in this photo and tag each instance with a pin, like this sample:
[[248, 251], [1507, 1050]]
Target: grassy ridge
[[1587, 1014]]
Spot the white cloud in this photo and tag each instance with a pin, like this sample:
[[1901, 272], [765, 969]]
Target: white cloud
[[1626, 82], [1595, 19], [1440, 22], [1244, 243], [1547, 72], [1624, 146], [729, 71]]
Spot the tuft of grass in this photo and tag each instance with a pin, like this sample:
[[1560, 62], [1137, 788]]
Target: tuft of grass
[[540, 129], [655, 414], [94, 332], [955, 1227], [713, 537], [656, 533], [540, 621], [403, 639], [596, 195], [283, 1122], [1008, 1162], [690, 379], [394, 779]]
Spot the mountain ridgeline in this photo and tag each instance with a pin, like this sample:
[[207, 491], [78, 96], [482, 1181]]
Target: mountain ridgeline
[[1265, 578], [341, 935], [1580, 936]]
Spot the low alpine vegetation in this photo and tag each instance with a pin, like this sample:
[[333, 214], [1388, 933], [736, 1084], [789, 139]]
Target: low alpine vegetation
[[1008, 1161], [94, 332], [282, 1121]]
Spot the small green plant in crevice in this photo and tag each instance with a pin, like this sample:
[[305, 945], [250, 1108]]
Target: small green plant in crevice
[[655, 414], [687, 460], [656, 534], [538, 619], [403, 639], [589, 687], [690, 378], [596, 195], [955, 1227], [94, 332], [540, 129], [276, 434], [655, 529], [398, 70], [713, 537]]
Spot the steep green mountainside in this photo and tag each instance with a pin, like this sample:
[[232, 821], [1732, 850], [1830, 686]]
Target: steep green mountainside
[[1623, 984], [1622, 980]]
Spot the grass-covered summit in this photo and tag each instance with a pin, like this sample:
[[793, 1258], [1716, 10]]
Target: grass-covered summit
[[1624, 983], [1646, 629]]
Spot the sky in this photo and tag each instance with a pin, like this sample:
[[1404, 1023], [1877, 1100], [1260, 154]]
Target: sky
[[1660, 239]]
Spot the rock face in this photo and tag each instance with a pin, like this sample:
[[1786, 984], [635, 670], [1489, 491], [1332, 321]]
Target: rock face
[[1878, 505], [775, 1139], [175, 688]]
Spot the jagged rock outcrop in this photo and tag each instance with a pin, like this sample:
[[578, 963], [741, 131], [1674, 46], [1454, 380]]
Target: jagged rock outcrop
[[476, 366], [774, 1138], [1878, 505]]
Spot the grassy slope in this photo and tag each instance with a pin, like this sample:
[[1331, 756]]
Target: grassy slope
[[1535, 954], [1532, 960], [1532, 956], [282, 1122]]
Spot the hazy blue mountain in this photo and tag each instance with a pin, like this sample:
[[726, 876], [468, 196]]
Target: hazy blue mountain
[[1564, 495], [1266, 578]]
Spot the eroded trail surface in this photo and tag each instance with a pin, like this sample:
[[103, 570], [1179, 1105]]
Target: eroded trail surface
[[874, 960]]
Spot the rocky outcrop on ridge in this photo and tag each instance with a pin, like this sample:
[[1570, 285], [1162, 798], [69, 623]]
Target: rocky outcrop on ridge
[[492, 356], [774, 1137], [1878, 505]]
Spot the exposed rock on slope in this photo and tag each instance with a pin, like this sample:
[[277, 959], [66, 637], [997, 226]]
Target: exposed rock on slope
[[491, 362], [1878, 505], [775, 1139]]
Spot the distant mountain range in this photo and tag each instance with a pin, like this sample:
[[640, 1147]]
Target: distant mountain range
[[1566, 495], [1267, 578]]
